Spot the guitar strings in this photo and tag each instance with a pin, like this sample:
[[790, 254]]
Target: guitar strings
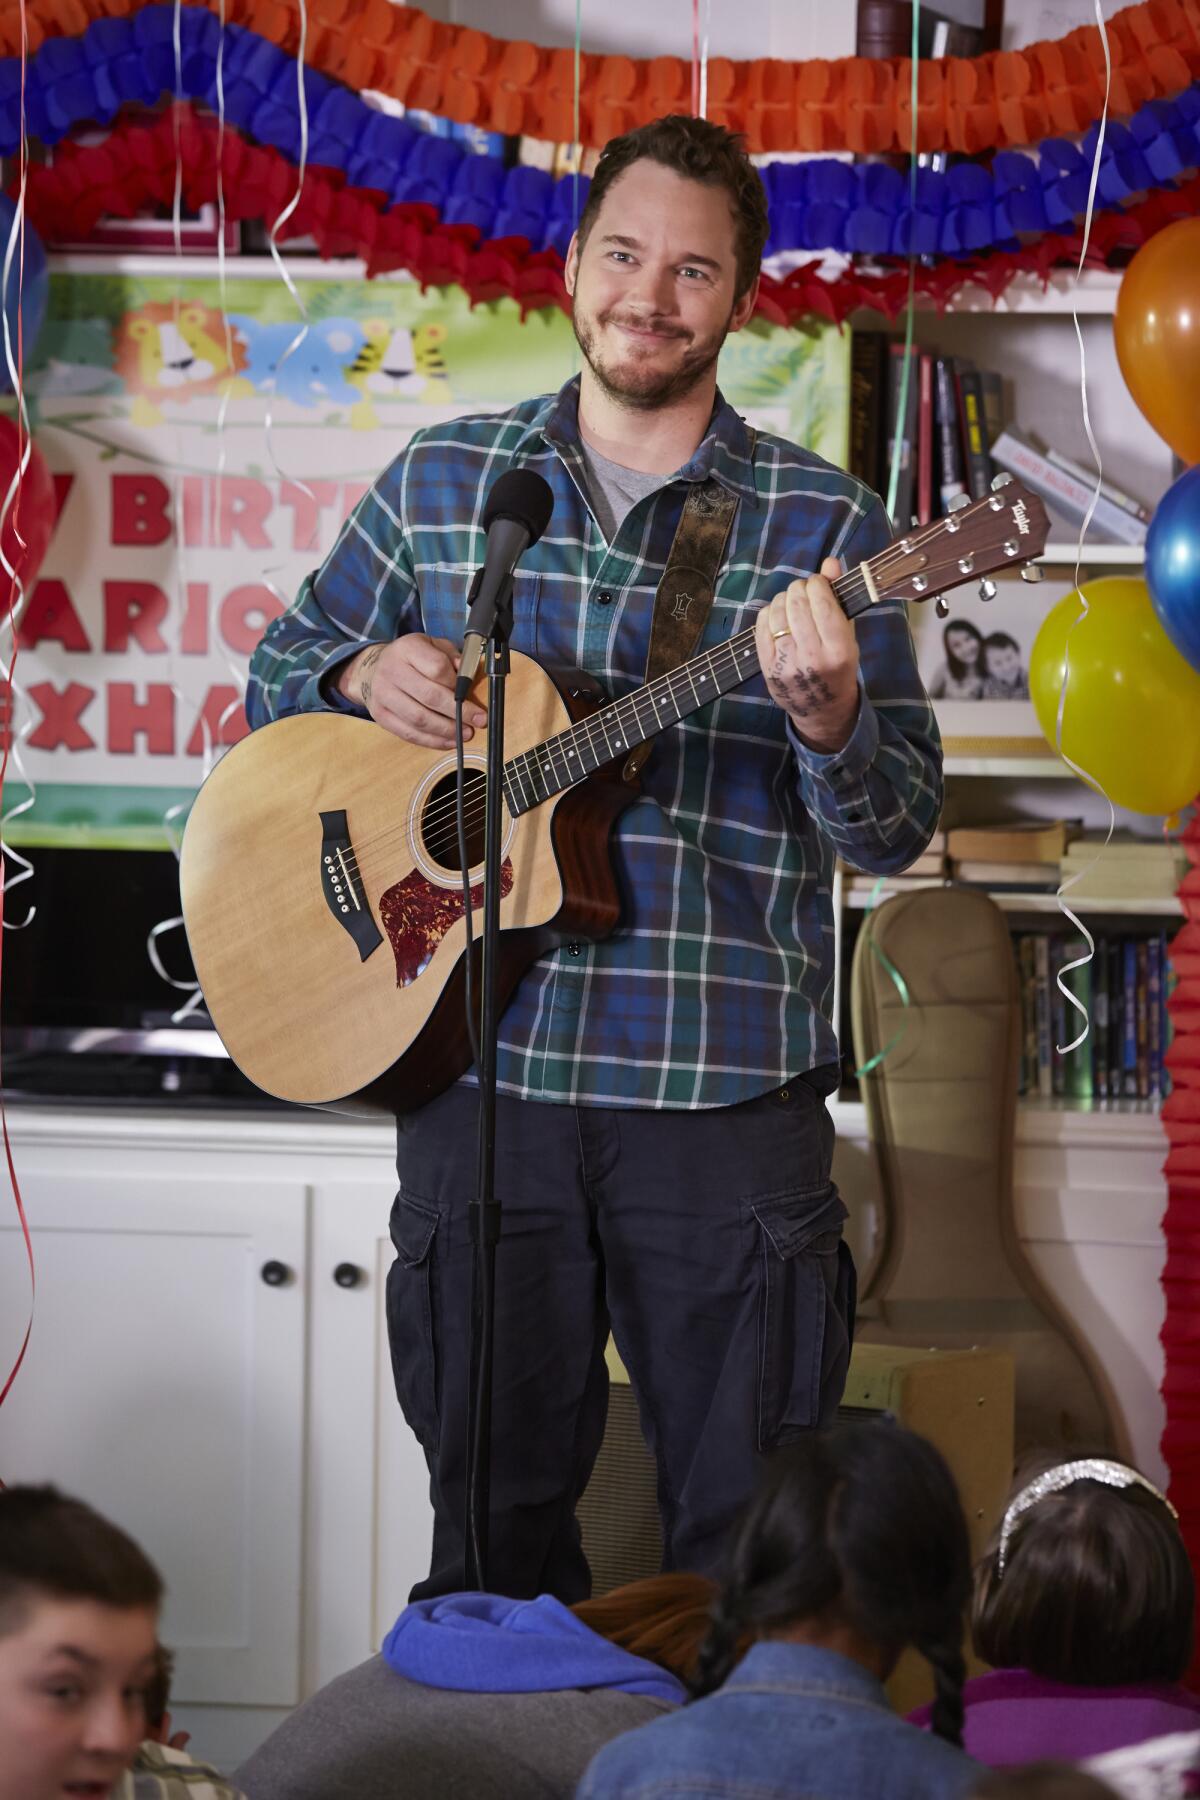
[[528, 768]]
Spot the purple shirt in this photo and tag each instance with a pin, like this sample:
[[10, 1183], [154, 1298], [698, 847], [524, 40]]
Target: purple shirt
[[1015, 1717]]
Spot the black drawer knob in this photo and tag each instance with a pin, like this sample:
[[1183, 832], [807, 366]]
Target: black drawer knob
[[275, 1274], [349, 1275]]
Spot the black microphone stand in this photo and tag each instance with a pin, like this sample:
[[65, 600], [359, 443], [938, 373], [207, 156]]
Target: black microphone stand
[[485, 1210]]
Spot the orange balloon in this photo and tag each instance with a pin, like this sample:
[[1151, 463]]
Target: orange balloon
[[1157, 332]]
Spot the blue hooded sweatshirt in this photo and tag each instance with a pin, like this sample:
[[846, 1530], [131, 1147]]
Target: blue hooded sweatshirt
[[485, 1644]]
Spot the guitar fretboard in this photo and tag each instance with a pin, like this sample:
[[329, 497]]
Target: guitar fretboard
[[561, 761]]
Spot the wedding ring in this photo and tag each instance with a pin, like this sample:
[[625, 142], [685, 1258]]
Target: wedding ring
[[778, 634]]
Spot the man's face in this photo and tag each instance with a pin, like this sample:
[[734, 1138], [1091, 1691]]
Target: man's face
[[72, 1678], [653, 285]]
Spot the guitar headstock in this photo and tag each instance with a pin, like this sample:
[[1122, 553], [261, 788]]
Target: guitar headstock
[[1004, 530]]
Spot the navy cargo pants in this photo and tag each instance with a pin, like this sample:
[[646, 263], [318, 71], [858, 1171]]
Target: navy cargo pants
[[709, 1241]]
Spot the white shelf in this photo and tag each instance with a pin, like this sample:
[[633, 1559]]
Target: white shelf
[[1019, 768], [1096, 293], [858, 900], [1111, 555]]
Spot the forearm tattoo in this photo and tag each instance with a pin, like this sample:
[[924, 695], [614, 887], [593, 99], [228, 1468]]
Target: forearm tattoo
[[366, 672], [804, 690]]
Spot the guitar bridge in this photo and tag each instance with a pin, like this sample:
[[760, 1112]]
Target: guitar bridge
[[342, 884]]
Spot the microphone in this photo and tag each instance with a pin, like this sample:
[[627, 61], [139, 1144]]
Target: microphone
[[516, 513]]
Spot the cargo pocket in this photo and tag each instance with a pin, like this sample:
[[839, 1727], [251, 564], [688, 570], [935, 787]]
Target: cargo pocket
[[411, 1315], [806, 1310]]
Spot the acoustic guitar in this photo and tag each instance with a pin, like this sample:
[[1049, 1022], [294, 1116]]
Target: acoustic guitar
[[321, 883]]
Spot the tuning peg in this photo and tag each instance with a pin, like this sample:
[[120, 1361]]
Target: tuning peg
[[941, 607], [1031, 571], [958, 502], [987, 589], [1000, 481]]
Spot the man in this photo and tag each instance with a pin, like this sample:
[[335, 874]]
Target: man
[[663, 1148]]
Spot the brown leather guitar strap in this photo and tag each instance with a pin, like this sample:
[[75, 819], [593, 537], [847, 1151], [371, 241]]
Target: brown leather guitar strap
[[685, 593]]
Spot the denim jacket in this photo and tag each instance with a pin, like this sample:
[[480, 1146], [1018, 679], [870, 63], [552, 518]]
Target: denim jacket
[[791, 1721]]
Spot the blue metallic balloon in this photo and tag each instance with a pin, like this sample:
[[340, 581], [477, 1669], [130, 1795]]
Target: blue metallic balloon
[[30, 281], [1173, 564]]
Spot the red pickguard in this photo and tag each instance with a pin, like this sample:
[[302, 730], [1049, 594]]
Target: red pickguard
[[416, 916]]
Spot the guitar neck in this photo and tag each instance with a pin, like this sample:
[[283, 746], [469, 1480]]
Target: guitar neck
[[561, 761]]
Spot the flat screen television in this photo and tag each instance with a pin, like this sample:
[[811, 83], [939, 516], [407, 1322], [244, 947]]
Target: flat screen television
[[84, 1013]]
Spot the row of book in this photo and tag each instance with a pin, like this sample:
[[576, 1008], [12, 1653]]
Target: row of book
[[1039, 855], [1124, 989], [947, 416]]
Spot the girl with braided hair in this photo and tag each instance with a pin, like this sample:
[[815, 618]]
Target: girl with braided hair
[[853, 1548]]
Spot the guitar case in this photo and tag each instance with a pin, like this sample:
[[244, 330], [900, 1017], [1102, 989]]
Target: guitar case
[[949, 1271]]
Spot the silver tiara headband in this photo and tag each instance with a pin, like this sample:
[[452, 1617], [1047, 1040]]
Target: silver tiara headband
[[1112, 1474]]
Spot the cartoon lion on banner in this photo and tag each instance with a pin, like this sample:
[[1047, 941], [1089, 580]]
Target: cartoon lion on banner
[[169, 352]]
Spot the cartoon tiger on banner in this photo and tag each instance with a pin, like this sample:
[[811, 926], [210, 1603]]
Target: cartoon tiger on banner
[[168, 352], [395, 362]]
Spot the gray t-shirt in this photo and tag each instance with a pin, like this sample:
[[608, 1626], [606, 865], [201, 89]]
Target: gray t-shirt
[[373, 1735], [614, 490]]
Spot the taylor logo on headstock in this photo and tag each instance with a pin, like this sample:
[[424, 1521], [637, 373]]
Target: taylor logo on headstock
[[1021, 518]]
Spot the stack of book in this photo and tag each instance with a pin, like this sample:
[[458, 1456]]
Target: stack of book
[[1123, 987], [948, 420], [1068, 489], [1127, 868], [929, 866], [1021, 855], [951, 412]]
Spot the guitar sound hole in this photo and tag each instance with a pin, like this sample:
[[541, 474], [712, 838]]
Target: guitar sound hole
[[439, 831]]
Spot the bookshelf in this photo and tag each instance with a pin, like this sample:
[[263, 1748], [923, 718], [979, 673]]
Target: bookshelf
[[997, 765]]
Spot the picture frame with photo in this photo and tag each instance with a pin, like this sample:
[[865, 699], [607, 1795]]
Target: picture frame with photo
[[974, 664]]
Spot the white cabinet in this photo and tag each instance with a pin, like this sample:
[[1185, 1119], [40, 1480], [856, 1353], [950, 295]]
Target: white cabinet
[[368, 1487], [162, 1384], [197, 1372]]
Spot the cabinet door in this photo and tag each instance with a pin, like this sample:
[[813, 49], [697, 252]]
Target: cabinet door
[[371, 1525], [164, 1383]]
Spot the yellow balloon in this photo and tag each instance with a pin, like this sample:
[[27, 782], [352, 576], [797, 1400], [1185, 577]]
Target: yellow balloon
[[1132, 714]]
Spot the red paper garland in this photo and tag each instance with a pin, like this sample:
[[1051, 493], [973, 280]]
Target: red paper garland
[[134, 168]]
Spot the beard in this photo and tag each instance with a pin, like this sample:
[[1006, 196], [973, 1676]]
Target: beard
[[636, 382]]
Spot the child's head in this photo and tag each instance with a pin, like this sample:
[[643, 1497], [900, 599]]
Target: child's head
[[963, 645], [1002, 658], [664, 1618], [78, 1637], [857, 1527], [1087, 1581]]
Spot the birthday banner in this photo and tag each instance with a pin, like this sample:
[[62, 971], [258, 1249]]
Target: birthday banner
[[204, 467]]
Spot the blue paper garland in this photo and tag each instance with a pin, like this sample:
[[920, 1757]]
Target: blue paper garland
[[818, 204]]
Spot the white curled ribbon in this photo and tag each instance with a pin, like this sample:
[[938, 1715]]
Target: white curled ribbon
[[1090, 780], [277, 256], [14, 249]]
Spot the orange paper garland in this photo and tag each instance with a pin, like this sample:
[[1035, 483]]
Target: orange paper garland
[[969, 104]]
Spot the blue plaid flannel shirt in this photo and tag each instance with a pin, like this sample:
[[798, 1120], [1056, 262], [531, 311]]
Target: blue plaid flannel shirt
[[717, 985]]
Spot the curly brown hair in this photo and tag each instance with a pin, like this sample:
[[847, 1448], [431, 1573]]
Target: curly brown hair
[[699, 151]]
